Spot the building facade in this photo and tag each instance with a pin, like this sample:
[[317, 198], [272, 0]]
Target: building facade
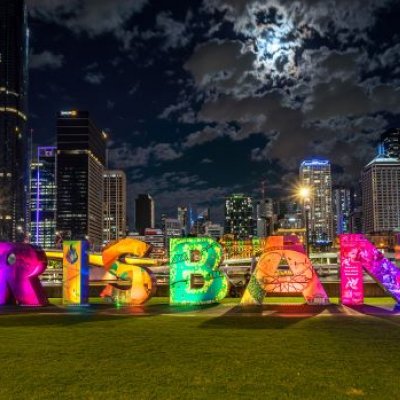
[[183, 219], [342, 209], [14, 168], [114, 224], [215, 231], [239, 216], [144, 213], [381, 195], [265, 217], [43, 198], [316, 175], [390, 141], [81, 156], [155, 238]]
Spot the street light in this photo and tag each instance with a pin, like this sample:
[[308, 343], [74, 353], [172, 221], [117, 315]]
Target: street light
[[304, 193]]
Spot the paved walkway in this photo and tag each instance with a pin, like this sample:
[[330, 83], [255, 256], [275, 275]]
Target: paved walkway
[[214, 310]]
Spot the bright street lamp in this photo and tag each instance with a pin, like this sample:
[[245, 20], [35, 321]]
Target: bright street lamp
[[304, 192]]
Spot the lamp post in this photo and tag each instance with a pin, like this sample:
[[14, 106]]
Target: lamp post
[[305, 194]]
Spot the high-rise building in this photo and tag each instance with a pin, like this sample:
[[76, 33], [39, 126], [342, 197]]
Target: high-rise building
[[81, 156], [172, 228], [342, 208], [381, 195], [316, 175], [43, 198], [200, 220], [390, 141], [183, 219], [114, 186], [265, 215], [356, 220], [144, 213], [239, 216], [14, 169]]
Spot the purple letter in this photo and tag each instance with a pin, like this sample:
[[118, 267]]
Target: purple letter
[[20, 266]]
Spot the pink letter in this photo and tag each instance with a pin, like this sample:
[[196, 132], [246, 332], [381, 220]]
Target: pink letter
[[20, 266]]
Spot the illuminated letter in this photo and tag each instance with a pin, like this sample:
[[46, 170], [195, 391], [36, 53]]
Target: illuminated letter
[[142, 283], [75, 273], [298, 276], [196, 256], [360, 251], [20, 267], [351, 273]]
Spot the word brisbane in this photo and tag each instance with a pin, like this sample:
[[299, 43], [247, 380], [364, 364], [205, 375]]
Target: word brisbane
[[125, 260]]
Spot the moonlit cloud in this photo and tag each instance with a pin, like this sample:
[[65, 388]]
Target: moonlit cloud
[[206, 98]]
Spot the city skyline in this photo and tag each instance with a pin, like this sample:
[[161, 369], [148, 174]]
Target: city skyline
[[188, 90]]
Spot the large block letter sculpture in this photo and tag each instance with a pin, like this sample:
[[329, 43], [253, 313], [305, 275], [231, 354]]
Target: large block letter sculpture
[[75, 273], [20, 267], [196, 256], [351, 272], [296, 274], [361, 253], [142, 281]]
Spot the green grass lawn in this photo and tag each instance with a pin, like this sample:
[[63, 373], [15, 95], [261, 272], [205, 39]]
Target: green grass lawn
[[94, 356]]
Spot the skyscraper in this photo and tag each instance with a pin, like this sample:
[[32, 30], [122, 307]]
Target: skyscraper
[[13, 146], [381, 195], [265, 214], [390, 141], [43, 198], [239, 216], [114, 226], [342, 209], [81, 154], [144, 213], [316, 174], [183, 219]]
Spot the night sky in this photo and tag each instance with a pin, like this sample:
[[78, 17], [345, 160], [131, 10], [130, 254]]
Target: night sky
[[206, 98]]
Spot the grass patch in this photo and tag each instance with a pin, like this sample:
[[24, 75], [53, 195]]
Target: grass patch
[[92, 356]]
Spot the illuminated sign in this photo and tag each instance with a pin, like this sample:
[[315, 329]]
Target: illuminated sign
[[360, 252], [351, 273], [191, 259], [20, 267], [284, 268], [72, 113], [142, 283], [315, 162], [75, 273]]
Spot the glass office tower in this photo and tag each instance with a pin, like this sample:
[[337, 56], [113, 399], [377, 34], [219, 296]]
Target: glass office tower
[[13, 147], [81, 156], [43, 198]]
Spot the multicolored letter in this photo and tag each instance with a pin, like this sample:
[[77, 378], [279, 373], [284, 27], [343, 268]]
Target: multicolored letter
[[142, 283], [191, 257], [295, 275], [75, 273], [360, 253], [351, 272], [20, 267]]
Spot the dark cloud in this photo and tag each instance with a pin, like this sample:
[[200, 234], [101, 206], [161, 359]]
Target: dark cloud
[[94, 17], [127, 157], [45, 59], [95, 78], [175, 33], [230, 91]]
